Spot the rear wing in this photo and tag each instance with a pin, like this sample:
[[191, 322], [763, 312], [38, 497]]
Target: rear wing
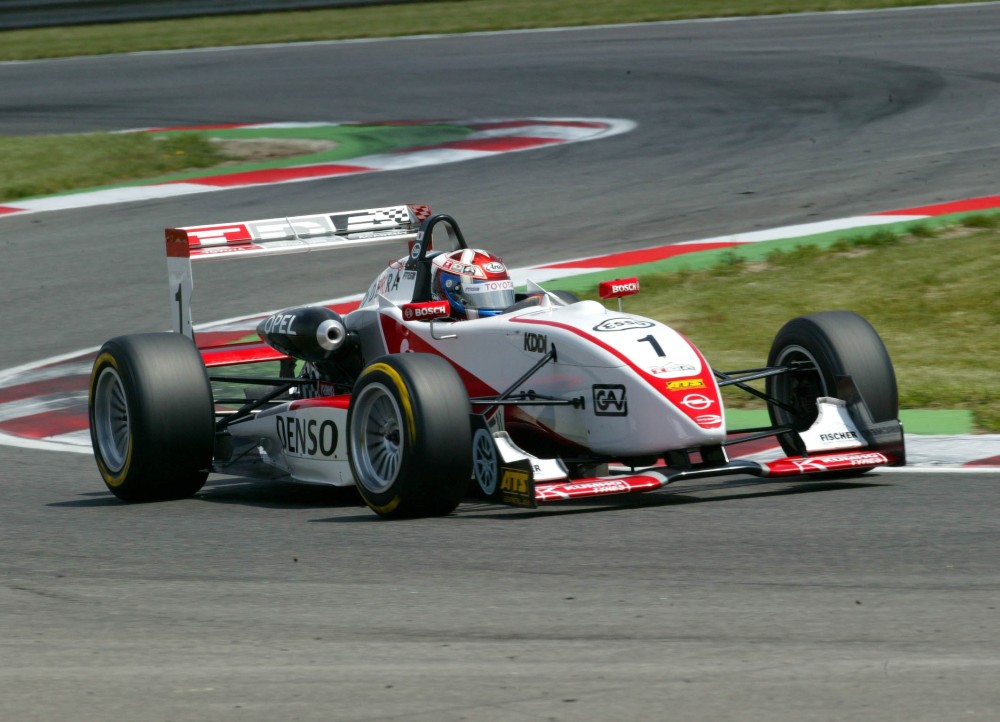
[[295, 234]]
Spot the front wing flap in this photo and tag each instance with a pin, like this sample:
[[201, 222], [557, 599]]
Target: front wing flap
[[659, 476]]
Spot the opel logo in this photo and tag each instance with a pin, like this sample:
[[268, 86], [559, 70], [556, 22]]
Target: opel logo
[[697, 402]]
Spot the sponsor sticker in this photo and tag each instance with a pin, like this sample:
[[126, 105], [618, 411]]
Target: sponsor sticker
[[830, 462], [602, 486], [677, 369], [536, 342], [697, 402], [462, 269], [302, 227], [516, 487], [839, 436], [207, 235], [618, 288], [307, 437], [514, 481], [621, 324], [388, 280], [488, 287], [278, 323], [685, 384], [216, 250], [425, 311], [610, 400], [366, 219]]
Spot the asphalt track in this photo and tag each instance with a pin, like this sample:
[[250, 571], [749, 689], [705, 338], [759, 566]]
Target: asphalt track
[[740, 599]]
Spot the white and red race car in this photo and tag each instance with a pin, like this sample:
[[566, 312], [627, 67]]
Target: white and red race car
[[549, 400]]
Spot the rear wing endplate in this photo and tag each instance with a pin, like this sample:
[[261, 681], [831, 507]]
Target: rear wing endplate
[[295, 234]]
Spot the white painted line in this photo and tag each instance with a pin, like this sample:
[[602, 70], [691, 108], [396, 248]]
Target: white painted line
[[105, 197], [40, 404], [937, 470], [44, 444], [77, 440], [47, 368], [806, 229], [560, 130]]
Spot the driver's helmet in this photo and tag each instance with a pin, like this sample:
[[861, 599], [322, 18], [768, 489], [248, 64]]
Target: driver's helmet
[[474, 282]]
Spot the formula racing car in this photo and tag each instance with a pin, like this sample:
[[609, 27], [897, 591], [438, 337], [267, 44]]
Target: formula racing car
[[449, 380]]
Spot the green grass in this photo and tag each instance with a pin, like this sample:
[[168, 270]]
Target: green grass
[[45, 165], [457, 16], [931, 296], [90, 161]]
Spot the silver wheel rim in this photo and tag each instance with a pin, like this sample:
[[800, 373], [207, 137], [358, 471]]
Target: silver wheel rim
[[111, 419], [484, 460], [376, 438], [785, 387]]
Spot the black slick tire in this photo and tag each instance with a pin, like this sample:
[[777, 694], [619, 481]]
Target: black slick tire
[[830, 344], [410, 438], [152, 422]]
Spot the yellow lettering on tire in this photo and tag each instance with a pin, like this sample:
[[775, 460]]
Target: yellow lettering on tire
[[384, 508], [404, 397], [110, 478]]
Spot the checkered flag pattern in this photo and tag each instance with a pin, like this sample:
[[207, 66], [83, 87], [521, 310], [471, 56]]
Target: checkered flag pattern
[[421, 212]]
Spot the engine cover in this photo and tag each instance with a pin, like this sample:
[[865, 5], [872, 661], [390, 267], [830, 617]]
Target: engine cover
[[310, 333]]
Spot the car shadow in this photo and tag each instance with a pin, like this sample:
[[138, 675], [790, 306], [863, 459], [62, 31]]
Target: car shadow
[[279, 494], [242, 491], [291, 495], [94, 499], [472, 509], [690, 493]]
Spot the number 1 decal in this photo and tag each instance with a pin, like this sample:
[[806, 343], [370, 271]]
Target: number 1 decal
[[654, 343]]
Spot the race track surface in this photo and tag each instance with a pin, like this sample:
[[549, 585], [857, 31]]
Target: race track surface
[[741, 599]]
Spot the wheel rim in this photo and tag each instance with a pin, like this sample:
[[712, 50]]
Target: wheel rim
[[484, 459], [112, 428], [799, 389], [376, 438]]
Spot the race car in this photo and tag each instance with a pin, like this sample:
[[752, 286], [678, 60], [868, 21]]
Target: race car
[[447, 381]]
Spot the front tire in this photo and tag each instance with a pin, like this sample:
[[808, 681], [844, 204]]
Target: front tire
[[828, 345], [152, 421], [410, 439]]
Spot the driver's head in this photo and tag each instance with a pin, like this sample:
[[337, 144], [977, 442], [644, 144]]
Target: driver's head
[[474, 282]]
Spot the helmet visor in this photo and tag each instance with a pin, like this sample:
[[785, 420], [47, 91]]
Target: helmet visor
[[489, 295]]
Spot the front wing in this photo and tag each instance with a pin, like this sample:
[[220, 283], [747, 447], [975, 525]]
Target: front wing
[[518, 487]]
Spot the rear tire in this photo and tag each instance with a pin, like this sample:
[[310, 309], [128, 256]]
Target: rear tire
[[152, 422], [410, 438], [836, 343]]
